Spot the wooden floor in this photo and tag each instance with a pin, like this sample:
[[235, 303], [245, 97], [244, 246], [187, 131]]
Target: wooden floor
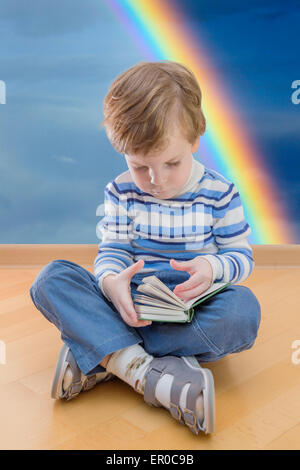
[[257, 391]]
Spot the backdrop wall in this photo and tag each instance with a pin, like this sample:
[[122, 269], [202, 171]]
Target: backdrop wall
[[57, 60]]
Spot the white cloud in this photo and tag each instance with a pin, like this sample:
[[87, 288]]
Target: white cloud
[[65, 159]]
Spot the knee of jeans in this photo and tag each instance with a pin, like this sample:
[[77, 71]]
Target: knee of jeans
[[244, 317], [254, 310], [48, 270]]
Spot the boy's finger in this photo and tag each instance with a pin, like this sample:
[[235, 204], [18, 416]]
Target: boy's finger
[[180, 265], [134, 268], [129, 311], [128, 316], [191, 293], [128, 307], [143, 323], [132, 318], [191, 283]]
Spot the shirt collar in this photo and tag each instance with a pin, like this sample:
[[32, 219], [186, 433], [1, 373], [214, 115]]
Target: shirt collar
[[197, 171]]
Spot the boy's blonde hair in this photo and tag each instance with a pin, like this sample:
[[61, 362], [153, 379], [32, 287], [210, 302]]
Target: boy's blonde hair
[[138, 106]]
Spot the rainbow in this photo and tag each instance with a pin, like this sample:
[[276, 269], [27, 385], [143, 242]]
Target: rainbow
[[158, 29]]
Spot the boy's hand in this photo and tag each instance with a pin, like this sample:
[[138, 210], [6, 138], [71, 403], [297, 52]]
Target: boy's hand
[[201, 278], [117, 287]]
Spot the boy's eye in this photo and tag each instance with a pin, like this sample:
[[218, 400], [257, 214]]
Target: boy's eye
[[140, 168]]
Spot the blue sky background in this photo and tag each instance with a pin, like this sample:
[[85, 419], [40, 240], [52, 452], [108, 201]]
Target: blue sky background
[[58, 59]]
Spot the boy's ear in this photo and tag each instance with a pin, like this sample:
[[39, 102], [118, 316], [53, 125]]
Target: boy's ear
[[196, 145]]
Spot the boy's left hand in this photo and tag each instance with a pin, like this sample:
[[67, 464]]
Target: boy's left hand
[[201, 278]]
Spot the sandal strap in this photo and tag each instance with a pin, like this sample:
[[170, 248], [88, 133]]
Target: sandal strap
[[89, 382], [152, 376], [182, 374]]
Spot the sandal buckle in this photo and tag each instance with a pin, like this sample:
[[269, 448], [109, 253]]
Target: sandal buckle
[[192, 423], [74, 390], [176, 408], [90, 382]]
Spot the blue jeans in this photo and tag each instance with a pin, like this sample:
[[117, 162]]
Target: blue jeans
[[68, 296]]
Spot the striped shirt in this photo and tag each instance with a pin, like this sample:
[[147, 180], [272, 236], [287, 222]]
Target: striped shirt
[[205, 219]]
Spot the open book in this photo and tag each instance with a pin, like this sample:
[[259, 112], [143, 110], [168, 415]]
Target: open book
[[158, 303]]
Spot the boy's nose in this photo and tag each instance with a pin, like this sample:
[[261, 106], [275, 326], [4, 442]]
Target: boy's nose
[[157, 177]]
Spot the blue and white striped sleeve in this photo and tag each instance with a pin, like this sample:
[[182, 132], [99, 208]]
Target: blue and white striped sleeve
[[234, 260], [115, 251]]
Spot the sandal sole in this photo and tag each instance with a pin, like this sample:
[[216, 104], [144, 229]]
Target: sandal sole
[[59, 373], [208, 394]]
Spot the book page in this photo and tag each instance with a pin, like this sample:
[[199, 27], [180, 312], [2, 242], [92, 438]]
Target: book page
[[159, 314], [159, 311], [146, 300], [157, 293], [164, 318], [155, 282]]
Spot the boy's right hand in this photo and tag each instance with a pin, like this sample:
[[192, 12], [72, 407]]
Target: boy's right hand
[[117, 287]]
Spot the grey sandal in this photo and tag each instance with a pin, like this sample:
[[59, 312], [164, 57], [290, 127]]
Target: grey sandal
[[185, 369], [79, 383]]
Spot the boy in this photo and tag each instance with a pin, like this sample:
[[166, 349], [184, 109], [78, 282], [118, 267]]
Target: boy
[[169, 216]]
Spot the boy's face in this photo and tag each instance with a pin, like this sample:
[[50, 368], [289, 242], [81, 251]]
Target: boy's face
[[164, 173]]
